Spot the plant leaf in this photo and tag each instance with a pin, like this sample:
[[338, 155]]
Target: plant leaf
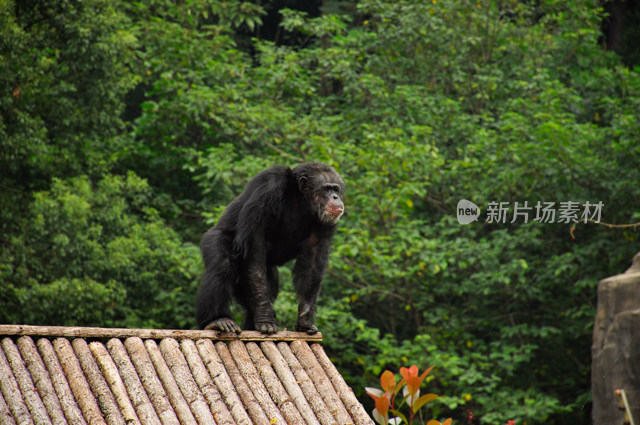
[[378, 417], [423, 400], [425, 373], [399, 386], [399, 414], [382, 404], [388, 381], [374, 392]]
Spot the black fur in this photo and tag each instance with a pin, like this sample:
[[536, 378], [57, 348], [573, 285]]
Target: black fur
[[282, 214]]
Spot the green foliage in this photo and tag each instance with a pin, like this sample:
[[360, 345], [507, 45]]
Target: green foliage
[[98, 255], [186, 63], [61, 85]]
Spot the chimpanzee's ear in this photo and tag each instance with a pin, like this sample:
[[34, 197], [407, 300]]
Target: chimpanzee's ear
[[302, 184]]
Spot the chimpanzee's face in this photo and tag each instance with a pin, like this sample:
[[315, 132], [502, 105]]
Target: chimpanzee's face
[[329, 203], [324, 191]]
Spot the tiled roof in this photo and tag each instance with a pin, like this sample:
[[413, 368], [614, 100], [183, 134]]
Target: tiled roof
[[59, 375]]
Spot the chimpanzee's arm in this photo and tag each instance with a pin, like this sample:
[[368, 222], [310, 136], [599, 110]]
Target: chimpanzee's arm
[[307, 277]]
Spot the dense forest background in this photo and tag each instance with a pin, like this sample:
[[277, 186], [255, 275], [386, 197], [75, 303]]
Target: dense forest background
[[126, 127]]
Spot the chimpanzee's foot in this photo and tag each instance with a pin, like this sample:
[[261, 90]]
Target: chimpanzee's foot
[[224, 324], [267, 327], [313, 329], [306, 314]]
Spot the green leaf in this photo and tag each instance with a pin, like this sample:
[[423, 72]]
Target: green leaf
[[422, 400]]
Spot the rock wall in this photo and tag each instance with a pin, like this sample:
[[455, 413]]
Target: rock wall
[[615, 352]]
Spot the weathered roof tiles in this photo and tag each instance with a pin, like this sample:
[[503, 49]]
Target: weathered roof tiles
[[143, 376]]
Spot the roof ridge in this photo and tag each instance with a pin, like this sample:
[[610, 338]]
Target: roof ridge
[[96, 332]]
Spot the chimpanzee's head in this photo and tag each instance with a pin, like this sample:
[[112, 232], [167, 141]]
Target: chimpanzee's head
[[323, 189]]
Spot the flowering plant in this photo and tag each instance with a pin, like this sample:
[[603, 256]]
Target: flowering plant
[[385, 398]]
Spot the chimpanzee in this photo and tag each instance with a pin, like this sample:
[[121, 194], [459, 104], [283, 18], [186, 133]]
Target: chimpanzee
[[282, 214]]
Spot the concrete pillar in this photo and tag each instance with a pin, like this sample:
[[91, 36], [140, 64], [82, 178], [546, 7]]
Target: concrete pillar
[[615, 352]]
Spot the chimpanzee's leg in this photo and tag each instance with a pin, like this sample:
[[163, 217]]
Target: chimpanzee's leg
[[273, 287], [218, 281], [258, 294]]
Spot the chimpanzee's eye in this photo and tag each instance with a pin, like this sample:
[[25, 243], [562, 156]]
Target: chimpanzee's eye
[[331, 188]]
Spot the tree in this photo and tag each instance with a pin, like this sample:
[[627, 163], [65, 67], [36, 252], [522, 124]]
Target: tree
[[98, 255]]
